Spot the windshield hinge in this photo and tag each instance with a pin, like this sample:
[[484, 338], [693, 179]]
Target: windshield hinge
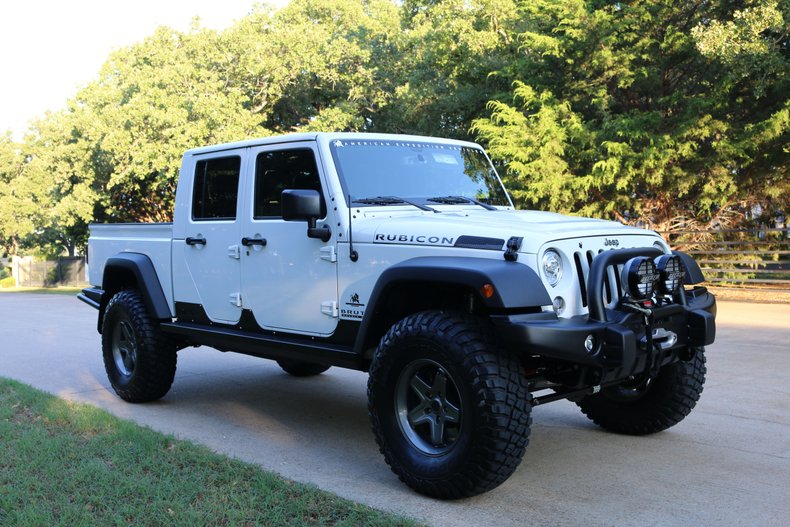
[[328, 253]]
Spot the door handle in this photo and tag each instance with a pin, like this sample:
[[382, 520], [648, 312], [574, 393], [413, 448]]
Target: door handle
[[196, 241], [246, 242]]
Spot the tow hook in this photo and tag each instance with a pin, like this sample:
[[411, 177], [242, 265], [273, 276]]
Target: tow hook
[[661, 338]]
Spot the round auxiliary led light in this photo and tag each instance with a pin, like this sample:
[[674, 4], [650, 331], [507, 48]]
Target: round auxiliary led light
[[640, 277], [590, 343], [670, 269], [552, 267]]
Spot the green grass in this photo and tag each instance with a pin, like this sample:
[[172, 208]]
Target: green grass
[[47, 290], [63, 463]]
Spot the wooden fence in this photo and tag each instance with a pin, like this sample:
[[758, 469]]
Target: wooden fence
[[758, 257]]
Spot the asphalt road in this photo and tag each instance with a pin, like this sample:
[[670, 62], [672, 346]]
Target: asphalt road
[[728, 463]]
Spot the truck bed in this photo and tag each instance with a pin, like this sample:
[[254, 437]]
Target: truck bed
[[151, 239]]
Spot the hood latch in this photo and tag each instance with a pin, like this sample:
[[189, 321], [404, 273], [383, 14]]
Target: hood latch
[[513, 245]]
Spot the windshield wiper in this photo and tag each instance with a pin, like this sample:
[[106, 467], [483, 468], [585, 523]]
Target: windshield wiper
[[392, 200], [457, 200]]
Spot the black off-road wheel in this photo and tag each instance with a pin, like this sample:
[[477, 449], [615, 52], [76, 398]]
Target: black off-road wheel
[[139, 359], [302, 369], [648, 405], [450, 410]]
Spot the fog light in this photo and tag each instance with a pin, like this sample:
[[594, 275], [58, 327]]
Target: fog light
[[590, 343], [670, 269], [640, 277], [559, 305]]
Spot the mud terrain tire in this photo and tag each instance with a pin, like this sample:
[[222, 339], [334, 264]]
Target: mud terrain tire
[[139, 359], [450, 410]]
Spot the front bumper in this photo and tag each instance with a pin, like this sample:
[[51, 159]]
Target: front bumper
[[620, 344], [614, 345]]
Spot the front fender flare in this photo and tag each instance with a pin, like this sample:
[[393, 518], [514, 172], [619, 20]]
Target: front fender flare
[[693, 272], [515, 285]]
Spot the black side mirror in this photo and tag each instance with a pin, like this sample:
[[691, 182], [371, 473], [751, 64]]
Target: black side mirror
[[305, 205]]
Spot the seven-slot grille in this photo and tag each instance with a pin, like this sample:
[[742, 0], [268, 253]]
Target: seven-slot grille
[[612, 288]]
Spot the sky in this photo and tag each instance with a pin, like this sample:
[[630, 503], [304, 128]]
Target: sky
[[50, 49]]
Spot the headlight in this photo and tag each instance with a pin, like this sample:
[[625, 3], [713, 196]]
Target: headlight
[[552, 267], [672, 273], [640, 277]]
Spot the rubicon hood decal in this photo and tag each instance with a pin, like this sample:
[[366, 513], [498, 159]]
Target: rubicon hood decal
[[414, 239]]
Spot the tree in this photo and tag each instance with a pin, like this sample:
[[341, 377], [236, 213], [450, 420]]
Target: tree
[[455, 56], [647, 111], [114, 153], [16, 219], [617, 112], [752, 48], [316, 64]]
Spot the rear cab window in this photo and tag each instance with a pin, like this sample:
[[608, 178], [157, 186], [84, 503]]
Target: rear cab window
[[216, 189]]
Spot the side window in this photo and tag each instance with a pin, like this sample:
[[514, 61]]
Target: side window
[[280, 170], [216, 189]]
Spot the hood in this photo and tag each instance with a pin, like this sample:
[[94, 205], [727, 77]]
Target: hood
[[478, 228]]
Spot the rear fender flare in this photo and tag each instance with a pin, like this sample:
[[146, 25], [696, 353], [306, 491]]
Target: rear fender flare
[[117, 271]]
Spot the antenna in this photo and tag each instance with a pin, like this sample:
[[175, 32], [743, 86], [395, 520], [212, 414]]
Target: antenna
[[354, 255]]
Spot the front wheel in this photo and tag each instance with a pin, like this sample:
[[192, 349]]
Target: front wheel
[[449, 409], [646, 405], [139, 359]]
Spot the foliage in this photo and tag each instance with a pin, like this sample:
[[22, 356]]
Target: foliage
[[18, 212], [665, 113], [456, 56], [319, 65]]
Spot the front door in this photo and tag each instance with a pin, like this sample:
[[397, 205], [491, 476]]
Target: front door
[[209, 274], [290, 282]]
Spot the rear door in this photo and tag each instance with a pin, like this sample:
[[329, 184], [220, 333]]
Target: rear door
[[209, 271]]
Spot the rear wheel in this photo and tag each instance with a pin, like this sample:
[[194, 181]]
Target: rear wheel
[[302, 369], [139, 359], [449, 409], [646, 405]]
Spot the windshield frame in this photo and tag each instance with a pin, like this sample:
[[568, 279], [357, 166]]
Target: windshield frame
[[415, 142]]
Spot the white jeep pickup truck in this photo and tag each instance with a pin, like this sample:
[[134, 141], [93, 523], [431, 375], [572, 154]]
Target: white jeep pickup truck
[[404, 257]]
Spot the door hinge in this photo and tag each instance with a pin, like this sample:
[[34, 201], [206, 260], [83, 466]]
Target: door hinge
[[328, 253], [329, 309], [235, 299], [234, 251]]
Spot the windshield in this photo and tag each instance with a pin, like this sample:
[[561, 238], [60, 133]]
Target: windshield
[[417, 171]]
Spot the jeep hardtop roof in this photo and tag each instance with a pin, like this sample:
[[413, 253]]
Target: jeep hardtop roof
[[323, 137]]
